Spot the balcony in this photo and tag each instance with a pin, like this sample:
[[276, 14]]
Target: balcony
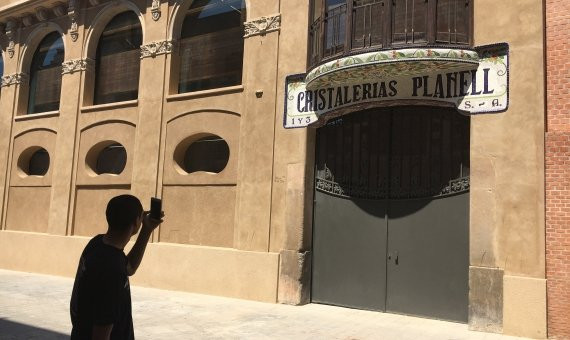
[[379, 38]]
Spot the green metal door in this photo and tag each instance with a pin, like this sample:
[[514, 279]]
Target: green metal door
[[391, 212], [349, 241]]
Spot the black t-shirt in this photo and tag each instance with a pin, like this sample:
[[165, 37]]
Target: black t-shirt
[[101, 292]]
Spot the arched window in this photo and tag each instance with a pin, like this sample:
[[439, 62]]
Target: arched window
[[118, 60], [211, 45], [45, 75]]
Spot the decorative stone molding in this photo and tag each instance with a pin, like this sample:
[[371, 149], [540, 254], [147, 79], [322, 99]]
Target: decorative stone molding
[[155, 10], [156, 48], [74, 28], [41, 14], [28, 19], [75, 65], [263, 25], [13, 79], [59, 10], [11, 26]]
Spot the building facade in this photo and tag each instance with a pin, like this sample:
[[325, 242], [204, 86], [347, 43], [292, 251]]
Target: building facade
[[383, 155], [557, 189]]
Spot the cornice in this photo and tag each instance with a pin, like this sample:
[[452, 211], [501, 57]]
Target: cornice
[[20, 8]]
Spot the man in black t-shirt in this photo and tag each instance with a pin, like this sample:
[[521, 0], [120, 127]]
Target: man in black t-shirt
[[101, 300]]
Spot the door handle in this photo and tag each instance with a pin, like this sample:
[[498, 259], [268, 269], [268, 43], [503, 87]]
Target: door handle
[[396, 257]]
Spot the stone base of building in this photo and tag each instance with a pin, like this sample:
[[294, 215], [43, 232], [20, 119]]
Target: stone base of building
[[204, 270], [511, 305]]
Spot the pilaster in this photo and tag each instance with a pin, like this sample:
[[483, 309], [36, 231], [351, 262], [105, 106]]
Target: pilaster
[[8, 92], [73, 72], [255, 167], [147, 144]]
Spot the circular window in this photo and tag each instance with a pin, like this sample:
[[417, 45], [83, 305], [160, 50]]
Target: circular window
[[38, 164], [209, 154], [111, 160]]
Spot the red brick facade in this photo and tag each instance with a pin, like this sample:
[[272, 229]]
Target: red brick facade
[[558, 167]]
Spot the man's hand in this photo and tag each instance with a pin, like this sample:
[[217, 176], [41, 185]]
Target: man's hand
[[149, 223]]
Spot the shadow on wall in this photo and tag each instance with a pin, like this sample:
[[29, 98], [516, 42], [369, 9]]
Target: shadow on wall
[[10, 330]]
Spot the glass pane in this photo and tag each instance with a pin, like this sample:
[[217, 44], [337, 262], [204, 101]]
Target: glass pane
[[112, 160], [39, 163], [335, 27], [462, 22], [211, 45], [317, 9], [210, 154], [45, 75], [453, 21], [409, 21], [118, 60], [367, 23]]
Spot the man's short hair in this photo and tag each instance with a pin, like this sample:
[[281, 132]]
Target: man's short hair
[[123, 211]]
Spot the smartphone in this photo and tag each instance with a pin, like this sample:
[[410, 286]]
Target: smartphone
[[155, 208]]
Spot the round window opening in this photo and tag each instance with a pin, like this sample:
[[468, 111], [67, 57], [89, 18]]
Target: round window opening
[[209, 154], [111, 160], [39, 163]]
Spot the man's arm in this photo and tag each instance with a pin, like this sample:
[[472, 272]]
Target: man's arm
[[102, 332], [136, 254]]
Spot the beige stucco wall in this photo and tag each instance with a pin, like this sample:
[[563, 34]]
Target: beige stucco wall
[[507, 167], [216, 235]]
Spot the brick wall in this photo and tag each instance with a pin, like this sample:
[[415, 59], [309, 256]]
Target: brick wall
[[558, 167]]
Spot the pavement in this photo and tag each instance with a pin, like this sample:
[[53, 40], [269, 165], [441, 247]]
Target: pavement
[[34, 306]]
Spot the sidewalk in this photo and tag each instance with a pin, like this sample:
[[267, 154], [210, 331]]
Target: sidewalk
[[35, 306]]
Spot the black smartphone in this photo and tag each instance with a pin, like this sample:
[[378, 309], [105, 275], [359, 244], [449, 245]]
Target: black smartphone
[[155, 208]]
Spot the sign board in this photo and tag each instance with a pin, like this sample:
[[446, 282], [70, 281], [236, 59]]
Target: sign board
[[473, 89]]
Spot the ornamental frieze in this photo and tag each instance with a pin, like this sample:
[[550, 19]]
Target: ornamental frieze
[[11, 27], [75, 65], [156, 48], [262, 25], [155, 10], [13, 79], [74, 27]]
